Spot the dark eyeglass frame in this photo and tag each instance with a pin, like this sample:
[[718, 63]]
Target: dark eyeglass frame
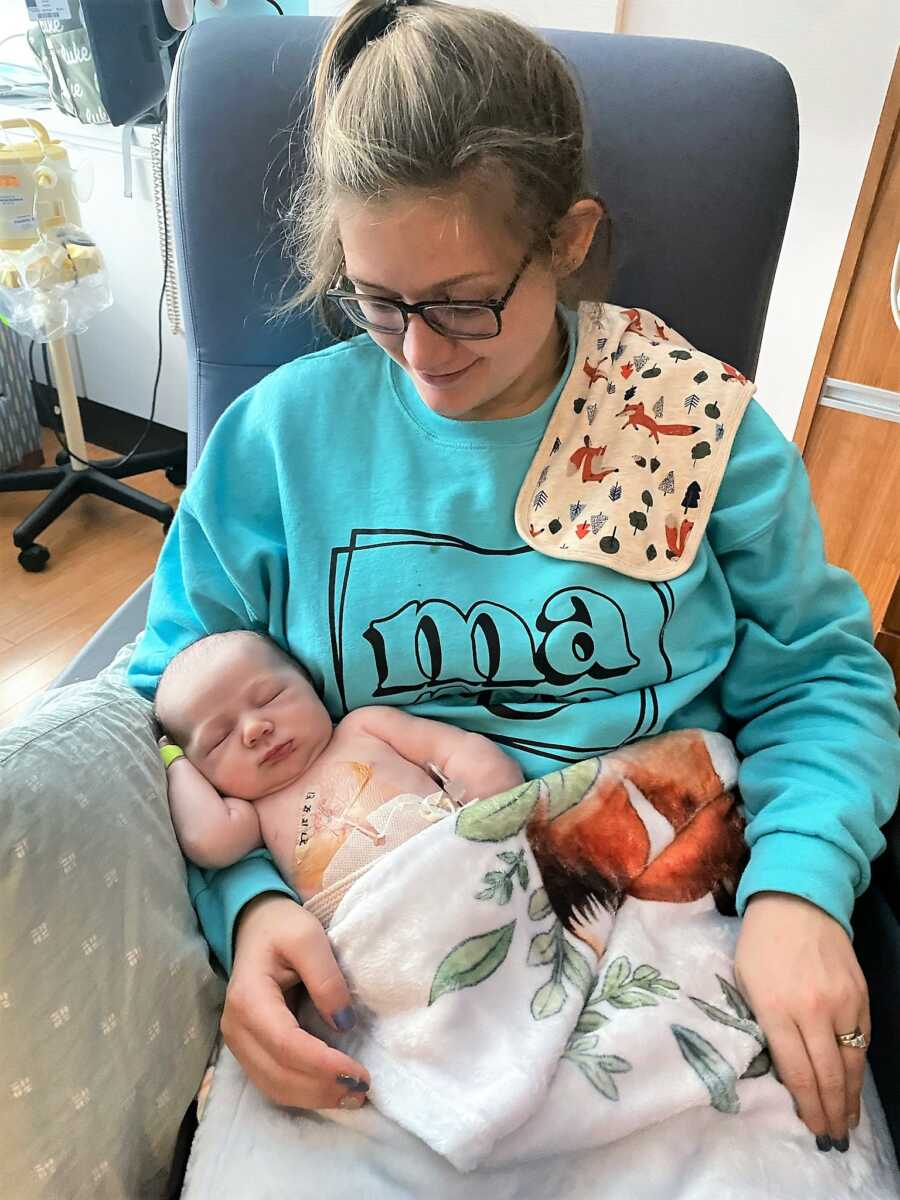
[[339, 295]]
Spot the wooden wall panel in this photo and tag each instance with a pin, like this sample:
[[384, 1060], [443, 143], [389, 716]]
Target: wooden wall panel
[[883, 144], [867, 347], [854, 467]]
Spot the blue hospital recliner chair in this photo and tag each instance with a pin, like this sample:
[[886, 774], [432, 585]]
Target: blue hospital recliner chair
[[693, 147]]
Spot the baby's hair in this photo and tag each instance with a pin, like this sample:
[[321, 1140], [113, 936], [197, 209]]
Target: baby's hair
[[425, 97], [205, 645]]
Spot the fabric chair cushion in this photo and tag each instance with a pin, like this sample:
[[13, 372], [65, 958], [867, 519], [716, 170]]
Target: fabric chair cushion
[[108, 1003]]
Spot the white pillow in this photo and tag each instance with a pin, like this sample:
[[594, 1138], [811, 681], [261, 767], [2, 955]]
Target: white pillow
[[108, 1003]]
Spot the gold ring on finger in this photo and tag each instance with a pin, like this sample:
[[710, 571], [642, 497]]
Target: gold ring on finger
[[856, 1038]]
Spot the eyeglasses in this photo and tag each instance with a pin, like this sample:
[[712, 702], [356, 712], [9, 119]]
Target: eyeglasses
[[477, 319]]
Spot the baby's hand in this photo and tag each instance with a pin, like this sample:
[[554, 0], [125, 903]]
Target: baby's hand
[[502, 776], [489, 771]]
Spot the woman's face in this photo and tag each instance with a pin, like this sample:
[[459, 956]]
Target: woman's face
[[455, 248]]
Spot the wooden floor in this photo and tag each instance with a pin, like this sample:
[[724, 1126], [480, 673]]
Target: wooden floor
[[99, 554]]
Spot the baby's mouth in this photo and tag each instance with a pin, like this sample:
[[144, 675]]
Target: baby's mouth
[[277, 753]]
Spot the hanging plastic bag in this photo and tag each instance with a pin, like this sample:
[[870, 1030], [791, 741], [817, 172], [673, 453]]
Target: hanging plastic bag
[[53, 280], [54, 287]]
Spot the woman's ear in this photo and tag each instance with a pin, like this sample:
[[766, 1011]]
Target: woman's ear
[[574, 234]]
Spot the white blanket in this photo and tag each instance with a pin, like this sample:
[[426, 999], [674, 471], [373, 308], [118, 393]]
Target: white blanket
[[249, 1149], [507, 1060], [486, 1028]]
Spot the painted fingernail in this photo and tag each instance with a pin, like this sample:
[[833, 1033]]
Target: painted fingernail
[[344, 1018], [823, 1141], [354, 1084], [351, 1100], [842, 1144]]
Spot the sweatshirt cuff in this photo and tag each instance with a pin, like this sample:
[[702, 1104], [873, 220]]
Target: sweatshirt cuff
[[801, 865], [220, 901]]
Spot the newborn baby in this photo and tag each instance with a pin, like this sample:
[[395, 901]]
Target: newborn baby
[[263, 764]]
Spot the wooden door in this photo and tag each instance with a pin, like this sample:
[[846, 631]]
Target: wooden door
[[849, 428]]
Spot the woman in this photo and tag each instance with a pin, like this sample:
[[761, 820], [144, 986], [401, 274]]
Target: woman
[[358, 507]]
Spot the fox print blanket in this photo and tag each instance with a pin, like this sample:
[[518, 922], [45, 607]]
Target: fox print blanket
[[548, 969], [628, 469], [546, 1004]]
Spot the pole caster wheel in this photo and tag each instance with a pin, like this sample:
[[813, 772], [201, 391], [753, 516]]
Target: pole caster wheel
[[34, 557], [177, 475], [62, 457]]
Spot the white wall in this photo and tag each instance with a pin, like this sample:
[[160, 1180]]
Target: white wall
[[840, 54], [119, 350]]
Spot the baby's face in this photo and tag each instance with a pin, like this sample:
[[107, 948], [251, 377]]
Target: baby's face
[[255, 722]]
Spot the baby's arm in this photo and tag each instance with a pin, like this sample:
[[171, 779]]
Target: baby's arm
[[466, 758], [212, 830]]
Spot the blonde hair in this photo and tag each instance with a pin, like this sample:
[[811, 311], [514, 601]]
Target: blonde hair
[[432, 96]]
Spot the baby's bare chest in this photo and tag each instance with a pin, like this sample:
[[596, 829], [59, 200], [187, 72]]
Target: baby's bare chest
[[355, 775], [358, 771]]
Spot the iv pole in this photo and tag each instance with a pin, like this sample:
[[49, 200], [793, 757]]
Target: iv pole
[[64, 256]]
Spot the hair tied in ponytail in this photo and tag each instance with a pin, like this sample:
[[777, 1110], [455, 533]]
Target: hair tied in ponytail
[[454, 100], [375, 25]]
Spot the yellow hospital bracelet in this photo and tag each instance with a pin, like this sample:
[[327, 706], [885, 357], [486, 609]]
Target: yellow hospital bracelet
[[169, 753]]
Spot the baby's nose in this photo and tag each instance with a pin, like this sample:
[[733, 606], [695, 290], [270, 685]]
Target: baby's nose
[[254, 729]]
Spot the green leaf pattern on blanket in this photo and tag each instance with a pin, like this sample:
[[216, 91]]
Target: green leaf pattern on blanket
[[761, 1065], [740, 1017], [567, 788], [638, 989], [718, 1076], [472, 961], [500, 817], [622, 988], [499, 885], [548, 1000], [598, 1069], [568, 966], [475, 959], [734, 999], [539, 905]]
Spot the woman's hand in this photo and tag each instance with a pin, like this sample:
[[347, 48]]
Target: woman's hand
[[796, 967], [277, 946]]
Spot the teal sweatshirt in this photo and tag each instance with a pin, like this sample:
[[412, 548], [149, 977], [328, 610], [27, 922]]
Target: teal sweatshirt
[[374, 540]]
